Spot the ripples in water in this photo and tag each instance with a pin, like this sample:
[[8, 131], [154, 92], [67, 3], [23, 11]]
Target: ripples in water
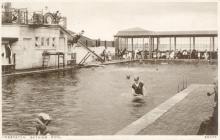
[[93, 101]]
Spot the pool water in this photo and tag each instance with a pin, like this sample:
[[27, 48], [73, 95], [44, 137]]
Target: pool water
[[92, 101]]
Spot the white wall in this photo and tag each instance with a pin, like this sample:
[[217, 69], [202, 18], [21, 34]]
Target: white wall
[[27, 54], [10, 31]]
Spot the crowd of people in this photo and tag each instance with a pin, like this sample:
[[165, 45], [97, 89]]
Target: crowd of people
[[185, 54], [173, 54]]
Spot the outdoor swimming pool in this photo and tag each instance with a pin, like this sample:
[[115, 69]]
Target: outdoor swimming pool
[[92, 101]]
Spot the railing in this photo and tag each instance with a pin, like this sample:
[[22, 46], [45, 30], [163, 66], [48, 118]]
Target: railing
[[183, 84], [18, 16]]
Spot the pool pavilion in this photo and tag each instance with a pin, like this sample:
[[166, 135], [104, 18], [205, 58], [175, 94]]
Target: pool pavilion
[[152, 42]]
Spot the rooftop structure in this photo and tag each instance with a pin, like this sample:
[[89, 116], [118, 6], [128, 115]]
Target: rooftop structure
[[24, 16]]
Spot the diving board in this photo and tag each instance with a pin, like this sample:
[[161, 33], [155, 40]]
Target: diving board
[[83, 45]]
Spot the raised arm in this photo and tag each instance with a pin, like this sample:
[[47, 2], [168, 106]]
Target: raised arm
[[144, 91]]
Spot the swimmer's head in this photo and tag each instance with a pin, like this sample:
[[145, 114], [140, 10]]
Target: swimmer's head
[[128, 76], [136, 78], [45, 118]]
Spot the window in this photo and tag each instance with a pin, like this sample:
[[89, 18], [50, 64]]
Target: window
[[42, 41], [53, 42], [37, 41], [48, 41]]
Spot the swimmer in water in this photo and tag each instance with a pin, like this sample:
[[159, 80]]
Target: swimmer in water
[[138, 88], [42, 122], [128, 76]]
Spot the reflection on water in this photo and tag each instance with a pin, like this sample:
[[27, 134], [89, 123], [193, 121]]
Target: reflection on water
[[91, 101]]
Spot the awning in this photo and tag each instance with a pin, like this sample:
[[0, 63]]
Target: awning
[[10, 39], [139, 32]]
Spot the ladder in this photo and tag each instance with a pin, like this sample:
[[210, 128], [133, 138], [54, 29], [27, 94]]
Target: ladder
[[46, 59], [85, 58], [61, 56]]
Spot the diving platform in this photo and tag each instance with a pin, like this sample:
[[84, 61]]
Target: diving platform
[[84, 46], [46, 57]]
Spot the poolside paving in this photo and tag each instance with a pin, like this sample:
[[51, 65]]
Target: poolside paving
[[186, 116]]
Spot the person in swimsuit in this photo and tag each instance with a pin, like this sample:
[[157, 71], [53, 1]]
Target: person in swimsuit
[[42, 121], [137, 87]]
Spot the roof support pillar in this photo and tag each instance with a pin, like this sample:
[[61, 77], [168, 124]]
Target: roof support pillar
[[170, 43], [213, 43], [190, 46], [126, 43], [144, 48], [153, 44], [120, 43], [158, 44], [194, 43], [175, 43], [174, 46], [150, 46], [170, 46], [132, 48]]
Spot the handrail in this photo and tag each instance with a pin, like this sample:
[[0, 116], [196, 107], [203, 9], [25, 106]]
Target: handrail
[[99, 57]]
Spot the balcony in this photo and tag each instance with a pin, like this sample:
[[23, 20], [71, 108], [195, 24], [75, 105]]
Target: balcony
[[23, 16]]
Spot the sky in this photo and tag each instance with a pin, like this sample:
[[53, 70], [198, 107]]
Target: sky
[[103, 19]]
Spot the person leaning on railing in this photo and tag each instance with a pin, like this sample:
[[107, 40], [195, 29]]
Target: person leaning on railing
[[215, 92], [213, 122]]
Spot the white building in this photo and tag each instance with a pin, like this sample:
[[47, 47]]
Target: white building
[[26, 36], [29, 42]]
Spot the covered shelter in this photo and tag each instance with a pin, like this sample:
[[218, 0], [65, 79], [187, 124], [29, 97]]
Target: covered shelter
[[154, 42]]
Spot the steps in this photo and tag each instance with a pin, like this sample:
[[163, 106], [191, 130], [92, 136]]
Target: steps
[[46, 59]]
